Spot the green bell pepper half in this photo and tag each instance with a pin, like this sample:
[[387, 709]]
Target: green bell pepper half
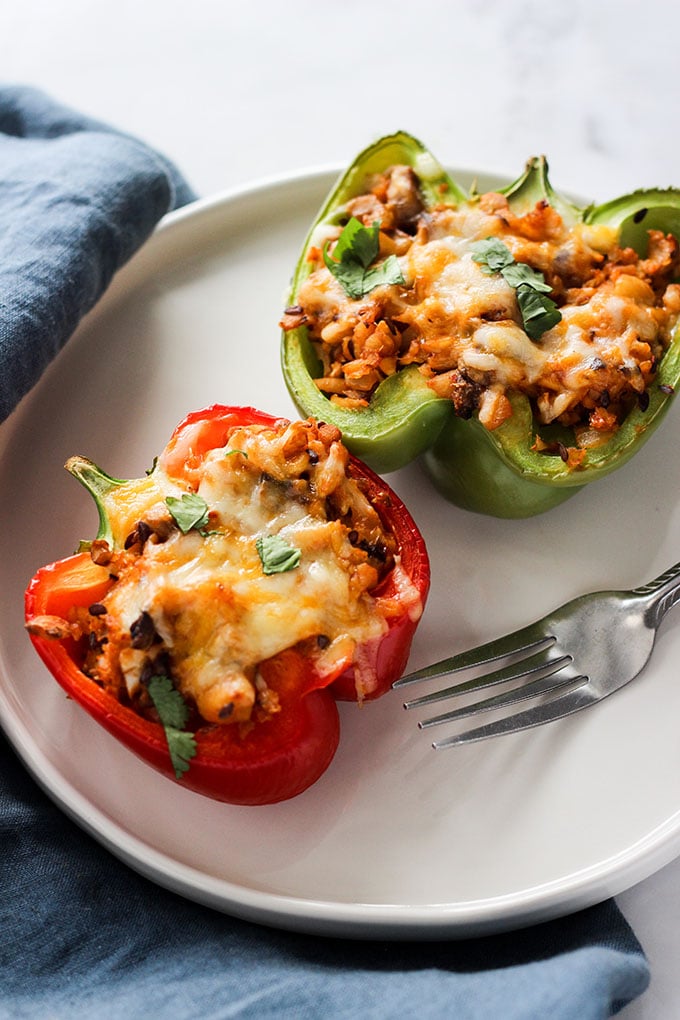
[[404, 416], [497, 472]]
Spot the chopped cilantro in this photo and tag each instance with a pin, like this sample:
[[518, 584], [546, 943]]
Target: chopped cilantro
[[519, 274], [189, 511], [276, 555], [539, 312], [173, 714], [351, 263], [492, 255]]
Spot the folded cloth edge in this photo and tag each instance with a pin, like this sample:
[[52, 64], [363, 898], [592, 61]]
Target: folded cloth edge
[[77, 200]]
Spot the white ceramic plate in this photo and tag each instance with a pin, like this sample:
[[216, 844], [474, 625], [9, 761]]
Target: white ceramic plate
[[395, 840]]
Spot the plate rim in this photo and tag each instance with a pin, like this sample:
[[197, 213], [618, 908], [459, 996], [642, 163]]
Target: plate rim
[[552, 899], [396, 922]]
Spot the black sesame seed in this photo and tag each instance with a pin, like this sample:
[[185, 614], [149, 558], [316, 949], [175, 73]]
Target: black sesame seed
[[376, 550], [138, 535], [147, 671], [143, 632], [143, 531]]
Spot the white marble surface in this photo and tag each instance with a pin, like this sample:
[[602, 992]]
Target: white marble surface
[[236, 91]]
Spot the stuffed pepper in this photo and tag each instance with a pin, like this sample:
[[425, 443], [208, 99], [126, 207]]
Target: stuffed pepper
[[524, 345], [256, 574]]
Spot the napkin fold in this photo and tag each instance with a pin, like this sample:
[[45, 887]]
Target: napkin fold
[[82, 934], [77, 199]]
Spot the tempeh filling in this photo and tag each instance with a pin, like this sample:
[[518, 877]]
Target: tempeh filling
[[462, 326], [205, 607]]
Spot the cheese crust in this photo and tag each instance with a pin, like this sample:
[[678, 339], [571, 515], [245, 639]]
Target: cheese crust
[[199, 606], [462, 327]]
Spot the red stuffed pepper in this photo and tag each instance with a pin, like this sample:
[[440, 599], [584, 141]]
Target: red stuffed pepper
[[257, 573]]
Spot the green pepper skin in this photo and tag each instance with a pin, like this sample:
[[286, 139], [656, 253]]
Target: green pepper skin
[[498, 472], [480, 478], [404, 416], [98, 484]]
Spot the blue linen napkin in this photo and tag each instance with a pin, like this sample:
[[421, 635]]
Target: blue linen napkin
[[76, 201], [83, 935]]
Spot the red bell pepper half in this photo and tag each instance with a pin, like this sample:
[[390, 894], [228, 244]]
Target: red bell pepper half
[[282, 756]]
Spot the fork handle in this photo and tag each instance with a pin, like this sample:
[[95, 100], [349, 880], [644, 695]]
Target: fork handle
[[661, 594]]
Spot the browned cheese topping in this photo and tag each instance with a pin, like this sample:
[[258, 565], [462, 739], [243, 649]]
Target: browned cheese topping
[[462, 327], [200, 606]]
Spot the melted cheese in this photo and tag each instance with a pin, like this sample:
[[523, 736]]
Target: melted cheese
[[217, 614], [451, 316], [455, 297]]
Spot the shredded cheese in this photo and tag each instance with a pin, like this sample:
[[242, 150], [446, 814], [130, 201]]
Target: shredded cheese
[[199, 606], [462, 326]]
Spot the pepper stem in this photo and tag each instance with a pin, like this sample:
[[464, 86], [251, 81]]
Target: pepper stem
[[534, 186], [98, 484]]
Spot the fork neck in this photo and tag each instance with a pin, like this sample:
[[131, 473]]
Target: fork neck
[[661, 594]]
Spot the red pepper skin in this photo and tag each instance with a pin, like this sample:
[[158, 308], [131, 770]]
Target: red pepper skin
[[387, 656], [285, 755]]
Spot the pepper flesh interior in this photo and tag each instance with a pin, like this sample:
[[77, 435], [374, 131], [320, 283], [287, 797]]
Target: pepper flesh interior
[[463, 328], [199, 607]]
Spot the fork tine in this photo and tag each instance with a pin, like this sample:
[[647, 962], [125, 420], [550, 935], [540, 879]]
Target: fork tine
[[526, 640], [562, 706], [553, 681], [515, 671]]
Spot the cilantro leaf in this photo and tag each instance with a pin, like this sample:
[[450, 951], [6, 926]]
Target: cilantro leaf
[[168, 701], [189, 511], [351, 263], [520, 274], [388, 271], [357, 242], [173, 714], [182, 747], [539, 313], [349, 275], [492, 255], [276, 555]]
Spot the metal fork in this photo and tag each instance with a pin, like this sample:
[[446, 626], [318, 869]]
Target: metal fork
[[571, 659]]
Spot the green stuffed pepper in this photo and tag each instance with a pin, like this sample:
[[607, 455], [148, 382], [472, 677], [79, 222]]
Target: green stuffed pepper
[[523, 345]]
